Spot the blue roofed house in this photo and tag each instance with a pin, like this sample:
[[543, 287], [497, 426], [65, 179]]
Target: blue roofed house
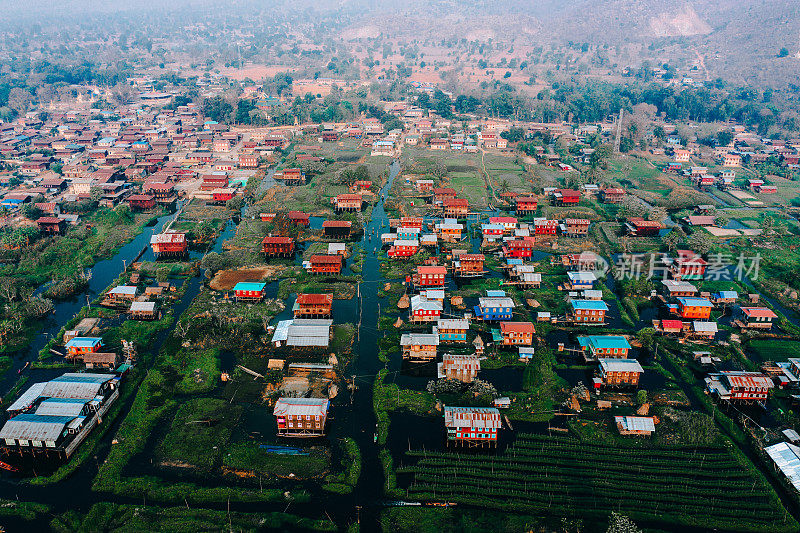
[[609, 346], [247, 290], [725, 297], [588, 311]]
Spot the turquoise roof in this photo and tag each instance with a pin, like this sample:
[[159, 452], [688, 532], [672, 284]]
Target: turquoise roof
[[596, 305], [604, 342], [249, 286], [694, 302], [83, 342]]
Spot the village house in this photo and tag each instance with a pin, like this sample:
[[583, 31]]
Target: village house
[[732, 160], [248, 161], [81, 345], [278, 246], [635, 425], [143, 310], [509, 223], [456, 208], [169, 244], [419, 347], [472, 426], [526, 205], [520, 248], [468, 265], [51, 225], [517, 333], [248, 290], [141, 201], [99, 360], [724, 298], [326, 264], [423, 186], [700, 329], [411, 222], [566, 197], [607, 346], [337, 228], [461, 367], [676, 288], [682, 155], [492, 232], [575, 227], [612, 195], [543, 226], [348, 202], [688, 265], [403, 248], [639, 227], [694, 308], [440, 194], [299, 218], [424, 310], [739, 386], [452, 329], [313, 305], [449, 231], [588, 311], [214, 181], [290, 176], [303, 333], [619, 372], [430, 276], [494, 308], [755, 317], [123, 294], [301, 417], [580, 280], [408, 234]]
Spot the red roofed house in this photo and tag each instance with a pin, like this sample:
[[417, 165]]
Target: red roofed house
[[348, 202], [671, 326], [313, 306], [755, 317], [430, 276], [469, 265], [141, 201], [640, 227], [361, 186], [526, 205], [612, 196], [337, 228], [688, 265], [278, 246], [214, 181], [519, 248], [566, 197], [576, 227], [291, 176], [163, 192], [248, 161], [220, 196], [403, 248], [517, 333], [411, 222], [299, 218], [440, 194], [509, 223], [326, 264], [456, 207], [51, 225], [739, 386]]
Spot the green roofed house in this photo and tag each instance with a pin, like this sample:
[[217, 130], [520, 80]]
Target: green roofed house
[[249, 290], [610, 346]]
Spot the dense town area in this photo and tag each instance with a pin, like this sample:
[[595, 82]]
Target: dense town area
[[392, 283]]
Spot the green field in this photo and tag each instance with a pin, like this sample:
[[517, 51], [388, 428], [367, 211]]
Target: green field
[[706, 487], [774, 350]]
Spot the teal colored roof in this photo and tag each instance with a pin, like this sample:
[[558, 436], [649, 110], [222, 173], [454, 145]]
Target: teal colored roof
[[726, 294], [249, 286], [694, 302], [596, 305], [604, 342], [495, 293], [83, 342]]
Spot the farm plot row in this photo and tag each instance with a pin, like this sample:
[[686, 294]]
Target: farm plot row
[[703, 487]]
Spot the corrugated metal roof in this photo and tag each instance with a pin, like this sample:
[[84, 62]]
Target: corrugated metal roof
[[301, 406], [605, 342], [249, 286], [419, 339], [35, 427], [124, 290], [28, 397], [704, 327], [61, 407], [635, 423], [787, 459], [143, 307], [452, 323], [596, 305], [496, 302], [583, 276], [620, 365]]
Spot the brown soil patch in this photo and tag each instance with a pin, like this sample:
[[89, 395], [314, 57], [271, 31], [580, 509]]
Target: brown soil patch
[[224, 280]]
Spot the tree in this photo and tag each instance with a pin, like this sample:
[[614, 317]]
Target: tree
[[214, 261], [618, 523], [724, 137], [783, 52], [700, 242], [673, 238], [641, 396], [657, 214], [162, 274]]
